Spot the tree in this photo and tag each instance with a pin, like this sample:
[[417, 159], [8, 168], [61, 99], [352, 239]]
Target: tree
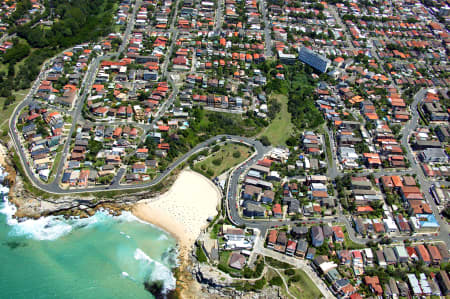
[[265, 140], [276, 281], [259, 284], [217, 161], [9, 100], [16, 53]]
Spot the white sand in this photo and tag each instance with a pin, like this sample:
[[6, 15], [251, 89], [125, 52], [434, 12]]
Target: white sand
[[182, 211], [3, 154]]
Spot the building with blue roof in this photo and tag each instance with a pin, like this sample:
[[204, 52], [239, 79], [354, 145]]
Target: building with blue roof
[[424, 223], [313, 59]]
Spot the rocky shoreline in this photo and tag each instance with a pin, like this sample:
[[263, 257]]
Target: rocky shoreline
[[217, 285], [32, 206], [194, 280]]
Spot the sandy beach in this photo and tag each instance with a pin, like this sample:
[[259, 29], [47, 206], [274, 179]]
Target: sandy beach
[[183, 210]]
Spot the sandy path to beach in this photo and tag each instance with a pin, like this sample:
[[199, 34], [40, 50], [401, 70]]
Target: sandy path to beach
[[183, 210]]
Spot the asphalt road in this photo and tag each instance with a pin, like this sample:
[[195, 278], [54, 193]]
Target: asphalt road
[[55, 188], [425, 183], [231, 196], [130, 26], [267, 31]]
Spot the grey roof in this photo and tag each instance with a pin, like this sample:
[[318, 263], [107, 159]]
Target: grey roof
[[327, 231], [393, 286], [282, 238], [389, 255], [237, 260], [302, 245], [317, 233], [300, 230], [380, 256]]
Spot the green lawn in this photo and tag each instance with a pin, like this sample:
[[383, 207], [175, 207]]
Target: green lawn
[[349, 244], [224, 258], [304, 287], [56, 162], [223, 159], [329, 153], [281, 128], [6, 113]]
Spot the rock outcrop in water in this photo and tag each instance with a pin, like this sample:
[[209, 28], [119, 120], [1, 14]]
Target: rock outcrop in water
[[156, 288]]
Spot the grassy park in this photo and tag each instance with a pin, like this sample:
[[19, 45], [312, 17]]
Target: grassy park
[[224, 158], [281, 127], [304, 287]]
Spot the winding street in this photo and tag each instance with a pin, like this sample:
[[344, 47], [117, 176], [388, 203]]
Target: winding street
[[231, 195]]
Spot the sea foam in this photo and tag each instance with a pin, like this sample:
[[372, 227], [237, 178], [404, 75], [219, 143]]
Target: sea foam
[[159, 272], [50, 227]]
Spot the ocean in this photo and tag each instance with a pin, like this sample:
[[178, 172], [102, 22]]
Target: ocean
[[97, 257]]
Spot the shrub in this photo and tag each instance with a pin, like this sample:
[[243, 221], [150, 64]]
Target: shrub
[[201, 256], [223, 268], [236, 154], [217, 162], [276, 281], [295, 278], [259, 284], [289, 272]]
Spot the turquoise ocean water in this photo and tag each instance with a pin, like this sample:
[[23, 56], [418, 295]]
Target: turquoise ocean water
[[98, 257]]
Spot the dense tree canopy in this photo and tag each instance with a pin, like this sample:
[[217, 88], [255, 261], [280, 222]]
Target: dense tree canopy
[[74, 22]]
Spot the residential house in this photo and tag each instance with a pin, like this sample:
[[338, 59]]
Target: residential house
[[277, 211], [302, 247], [281, 243], [291, 247], [253, 209], [380, 258], [317, 236], [444, 282], [423, 254], [299, 231], [237, 261], [401, 254], [272, 238], [310, 253], [389, 256], [374, 284], [435, 255], [338, 234]]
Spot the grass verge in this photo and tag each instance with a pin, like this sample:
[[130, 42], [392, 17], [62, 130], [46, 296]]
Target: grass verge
[[329, 153]]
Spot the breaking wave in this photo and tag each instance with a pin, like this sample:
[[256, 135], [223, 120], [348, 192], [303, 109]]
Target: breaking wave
[[54, 227], [159, 272]]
